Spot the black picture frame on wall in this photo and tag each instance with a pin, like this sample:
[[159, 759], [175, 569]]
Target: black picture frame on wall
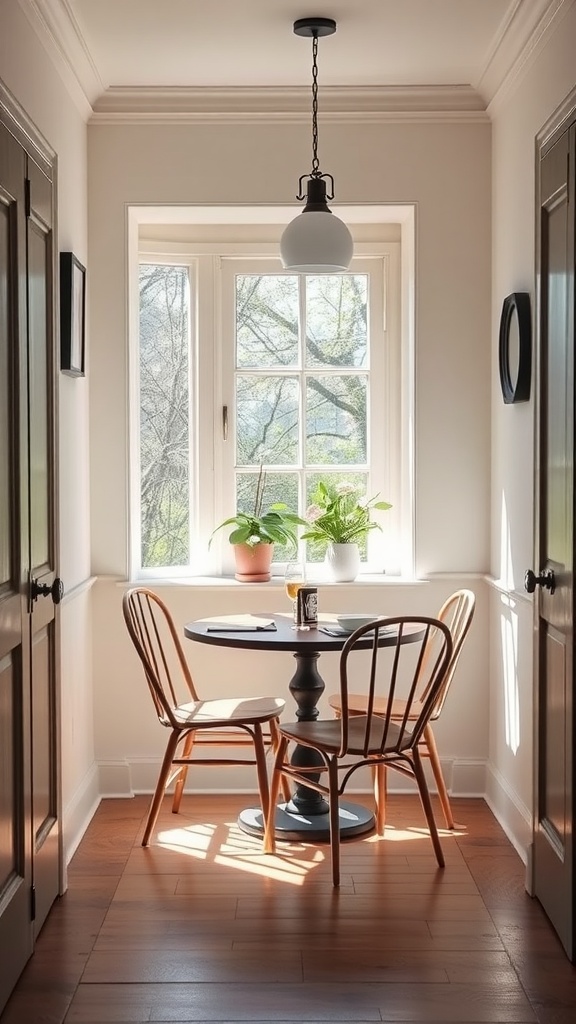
[[515, 348], [72, 314]]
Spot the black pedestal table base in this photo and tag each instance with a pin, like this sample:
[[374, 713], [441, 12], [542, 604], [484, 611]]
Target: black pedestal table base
[[292, 826]]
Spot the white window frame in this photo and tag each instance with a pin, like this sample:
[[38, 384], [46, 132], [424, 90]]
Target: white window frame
[[383, 334], [207, 385]]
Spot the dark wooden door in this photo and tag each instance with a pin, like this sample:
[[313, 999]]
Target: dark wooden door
[[554, 548], [16, 929], [29, 805]]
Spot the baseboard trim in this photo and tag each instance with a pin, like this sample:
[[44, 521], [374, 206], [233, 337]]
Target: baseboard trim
[[125, 778], [510, 812], [79, 811]]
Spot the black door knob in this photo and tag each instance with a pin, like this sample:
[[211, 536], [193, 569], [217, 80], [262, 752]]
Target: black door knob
[[546, 579], [55, 591]]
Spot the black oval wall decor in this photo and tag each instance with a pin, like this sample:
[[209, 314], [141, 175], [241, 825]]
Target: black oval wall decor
[[515, 348]]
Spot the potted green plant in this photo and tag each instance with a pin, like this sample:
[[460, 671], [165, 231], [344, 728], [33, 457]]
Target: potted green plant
[[254, 534], [339, 516]]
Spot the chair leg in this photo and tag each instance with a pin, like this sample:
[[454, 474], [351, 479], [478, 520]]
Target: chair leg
[[427, 806], [334, 819], [274, 741], [430, 742], [182, 774], [160, 786], [260, 752], [269, 837], [379, 782]]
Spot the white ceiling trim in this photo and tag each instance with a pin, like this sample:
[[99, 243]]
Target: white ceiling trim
[[61, 37], [351, 117], [526, 27], [548, 22], [374, 104]]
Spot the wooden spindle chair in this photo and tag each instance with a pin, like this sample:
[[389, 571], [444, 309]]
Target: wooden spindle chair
[[419, 656], [457, 612], [193, 723]]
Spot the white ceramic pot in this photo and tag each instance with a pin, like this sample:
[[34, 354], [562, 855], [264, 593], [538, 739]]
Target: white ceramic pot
[[343, 562]]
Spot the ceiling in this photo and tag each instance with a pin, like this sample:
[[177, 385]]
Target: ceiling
[[121, 51]]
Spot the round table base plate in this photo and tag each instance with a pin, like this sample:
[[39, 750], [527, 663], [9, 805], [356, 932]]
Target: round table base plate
[[355, 820]]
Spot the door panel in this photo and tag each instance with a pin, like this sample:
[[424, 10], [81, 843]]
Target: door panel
[[5, 429], [39, 314], [553, 843]]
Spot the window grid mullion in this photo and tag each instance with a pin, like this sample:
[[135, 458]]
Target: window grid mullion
[[303, 408]]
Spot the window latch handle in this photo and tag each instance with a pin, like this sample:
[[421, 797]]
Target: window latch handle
[[225, 422]]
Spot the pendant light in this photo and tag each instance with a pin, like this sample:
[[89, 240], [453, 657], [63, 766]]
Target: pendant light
[[317, 241]]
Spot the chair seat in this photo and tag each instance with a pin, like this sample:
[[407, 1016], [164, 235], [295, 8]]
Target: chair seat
[[226, 711], [327, 734], [357, 706]]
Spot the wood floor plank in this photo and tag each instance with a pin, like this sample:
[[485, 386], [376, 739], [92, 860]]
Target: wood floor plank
[[228, 967], [306, 1002]]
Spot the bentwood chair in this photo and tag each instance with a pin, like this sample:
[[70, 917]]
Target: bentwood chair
[[457, 613], [418, 651], [193, 723]]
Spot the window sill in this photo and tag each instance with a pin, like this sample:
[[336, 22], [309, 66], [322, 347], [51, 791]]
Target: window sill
[[275, 583]]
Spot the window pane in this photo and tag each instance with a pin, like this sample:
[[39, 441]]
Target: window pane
[[266, 320], [336, 320], [336, 419], [164, 418], [267, 420]]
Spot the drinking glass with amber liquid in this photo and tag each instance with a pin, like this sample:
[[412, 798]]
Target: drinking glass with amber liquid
[[294, 579]]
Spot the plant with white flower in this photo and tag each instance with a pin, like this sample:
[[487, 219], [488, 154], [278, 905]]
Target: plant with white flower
[[340, 515]]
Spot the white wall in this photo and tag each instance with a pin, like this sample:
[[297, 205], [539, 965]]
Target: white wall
[[517, 117], [30, 75], [444, 168]]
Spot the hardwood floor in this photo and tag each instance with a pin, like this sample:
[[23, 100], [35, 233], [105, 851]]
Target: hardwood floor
[[203, 927]]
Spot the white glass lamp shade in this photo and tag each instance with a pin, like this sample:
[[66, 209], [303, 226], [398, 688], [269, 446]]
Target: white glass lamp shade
[[316, 242]]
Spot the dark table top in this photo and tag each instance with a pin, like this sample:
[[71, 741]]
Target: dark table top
[[283, 638]]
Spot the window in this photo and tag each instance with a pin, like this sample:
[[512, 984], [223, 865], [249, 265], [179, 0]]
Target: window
[[241, 365]]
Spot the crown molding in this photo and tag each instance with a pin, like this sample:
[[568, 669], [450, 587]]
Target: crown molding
[[353, 117], [372, 105], [59, 33], [524, 30]]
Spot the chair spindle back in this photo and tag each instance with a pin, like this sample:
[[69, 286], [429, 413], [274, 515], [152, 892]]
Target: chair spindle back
[[412, 669], [154, 636]]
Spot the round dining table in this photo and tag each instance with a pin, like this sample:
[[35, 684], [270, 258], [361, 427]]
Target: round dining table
[[305, 816]]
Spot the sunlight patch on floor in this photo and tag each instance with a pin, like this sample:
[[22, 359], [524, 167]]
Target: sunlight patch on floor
[[228, 846]]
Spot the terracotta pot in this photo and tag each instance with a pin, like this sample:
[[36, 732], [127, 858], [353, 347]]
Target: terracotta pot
[[253, 562]]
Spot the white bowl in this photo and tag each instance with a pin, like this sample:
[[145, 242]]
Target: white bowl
[[352, 621]]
